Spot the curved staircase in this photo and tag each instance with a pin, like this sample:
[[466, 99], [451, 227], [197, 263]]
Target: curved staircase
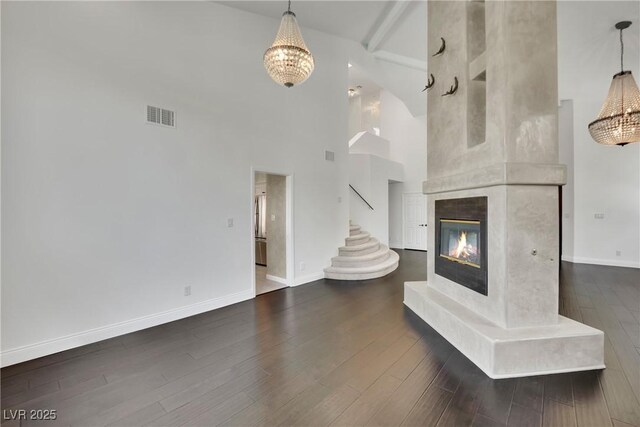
[[363, 257]]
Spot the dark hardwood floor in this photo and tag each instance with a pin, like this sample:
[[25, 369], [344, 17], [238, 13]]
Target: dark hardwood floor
[[334, 353]]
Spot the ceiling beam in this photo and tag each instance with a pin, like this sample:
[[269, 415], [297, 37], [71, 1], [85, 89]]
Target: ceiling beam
[[387, 24], [405, 61]]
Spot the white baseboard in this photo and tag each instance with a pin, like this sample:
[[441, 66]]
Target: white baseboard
[[44, 348], [596, 261], [278, 280], [308, 278]]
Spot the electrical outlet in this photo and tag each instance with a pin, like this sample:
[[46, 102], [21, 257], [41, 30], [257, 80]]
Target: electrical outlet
[[273, 217], [230, 222], [302, 266], [618, 253], [598, 215], [339, 199], [187, 291]]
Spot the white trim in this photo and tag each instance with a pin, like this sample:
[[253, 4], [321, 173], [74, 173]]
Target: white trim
[[308, 278], [43, 348], [596, 261], [405, 61], [289, 229], [252, 255], [278, 279], [387, 24]]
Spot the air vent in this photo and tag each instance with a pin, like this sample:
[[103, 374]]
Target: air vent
[[329, 156], [160, 116]]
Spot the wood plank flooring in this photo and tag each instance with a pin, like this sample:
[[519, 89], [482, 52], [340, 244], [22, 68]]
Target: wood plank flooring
[[334, 354]]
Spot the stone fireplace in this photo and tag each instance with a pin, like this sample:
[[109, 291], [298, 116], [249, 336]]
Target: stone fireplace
[[492, 284]]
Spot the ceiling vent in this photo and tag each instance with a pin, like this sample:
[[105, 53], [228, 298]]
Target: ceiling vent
[[329, 155], [160, 116]]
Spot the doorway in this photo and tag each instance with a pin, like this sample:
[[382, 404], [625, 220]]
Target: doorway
[[415, 221], [271, 231]]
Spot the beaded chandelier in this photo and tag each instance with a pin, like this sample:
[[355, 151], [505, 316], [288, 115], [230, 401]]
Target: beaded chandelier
[[288, 61], [618, 122]]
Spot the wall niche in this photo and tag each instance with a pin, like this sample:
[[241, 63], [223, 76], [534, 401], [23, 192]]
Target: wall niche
[[477, 74]]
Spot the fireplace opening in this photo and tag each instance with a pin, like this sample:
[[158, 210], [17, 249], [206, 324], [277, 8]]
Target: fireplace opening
[[461, 242]]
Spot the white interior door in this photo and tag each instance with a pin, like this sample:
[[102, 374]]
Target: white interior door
[[415, 221]]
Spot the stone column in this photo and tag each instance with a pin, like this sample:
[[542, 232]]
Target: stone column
[[496, 137]]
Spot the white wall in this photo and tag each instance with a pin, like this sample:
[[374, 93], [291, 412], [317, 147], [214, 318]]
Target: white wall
[[606, 179], [105, 219], [407, 136], [396, 217], [355, 116], [565, 136], [370, 175]]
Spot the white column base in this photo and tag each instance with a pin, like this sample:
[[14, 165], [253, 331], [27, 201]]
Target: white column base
[[504, 353]]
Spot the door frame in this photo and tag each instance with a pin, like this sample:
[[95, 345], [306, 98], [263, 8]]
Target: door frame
[[288, 224]]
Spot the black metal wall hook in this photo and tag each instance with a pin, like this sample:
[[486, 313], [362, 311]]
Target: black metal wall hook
[[430, 82], [442, 48], [453, 89]]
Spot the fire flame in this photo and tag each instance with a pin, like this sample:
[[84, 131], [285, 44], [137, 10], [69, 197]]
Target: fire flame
[[462, 245], [463, 250]]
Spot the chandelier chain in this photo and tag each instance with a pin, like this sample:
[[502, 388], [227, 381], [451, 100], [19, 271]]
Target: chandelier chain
[[289, 10], [621, 50]]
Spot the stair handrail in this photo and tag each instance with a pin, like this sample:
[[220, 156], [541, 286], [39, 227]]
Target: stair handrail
[[360, 195]]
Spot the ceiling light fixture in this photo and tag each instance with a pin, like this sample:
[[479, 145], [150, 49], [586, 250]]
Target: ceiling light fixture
[[618, 122], [288, 61]]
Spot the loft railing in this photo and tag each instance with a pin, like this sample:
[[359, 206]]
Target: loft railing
[[360, 195]]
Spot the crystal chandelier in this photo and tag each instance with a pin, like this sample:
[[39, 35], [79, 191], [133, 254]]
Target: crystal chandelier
[[619, 120], [288, 61]]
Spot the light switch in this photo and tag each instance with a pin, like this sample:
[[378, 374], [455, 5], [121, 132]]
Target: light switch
[[230, 222], [598, 216], [273, 217]]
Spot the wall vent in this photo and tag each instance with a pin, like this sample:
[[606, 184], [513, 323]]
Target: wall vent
[[329, 156], [160, 116]]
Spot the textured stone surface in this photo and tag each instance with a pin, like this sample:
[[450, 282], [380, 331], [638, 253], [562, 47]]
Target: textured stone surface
[[517, 169], [276, 226], [499, 174], [564, 346], [521, 84]]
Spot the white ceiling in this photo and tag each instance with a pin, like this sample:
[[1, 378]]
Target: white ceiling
[[393, 34], [348, 19], [355, 20]]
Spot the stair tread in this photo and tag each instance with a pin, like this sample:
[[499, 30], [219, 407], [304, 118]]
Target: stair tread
[[372, 242], [359, 236], [366, 257], [393, 259]]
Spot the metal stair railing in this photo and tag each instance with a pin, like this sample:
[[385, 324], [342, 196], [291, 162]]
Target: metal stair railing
[[360, 195]]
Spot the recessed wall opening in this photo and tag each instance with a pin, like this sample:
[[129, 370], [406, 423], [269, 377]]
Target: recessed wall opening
[[477, 82], [271, 221]]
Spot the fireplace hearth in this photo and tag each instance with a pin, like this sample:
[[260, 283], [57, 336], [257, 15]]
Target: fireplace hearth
[[460, 237]]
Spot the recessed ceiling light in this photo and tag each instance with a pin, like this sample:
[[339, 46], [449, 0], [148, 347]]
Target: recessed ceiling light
[[349, 64]]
